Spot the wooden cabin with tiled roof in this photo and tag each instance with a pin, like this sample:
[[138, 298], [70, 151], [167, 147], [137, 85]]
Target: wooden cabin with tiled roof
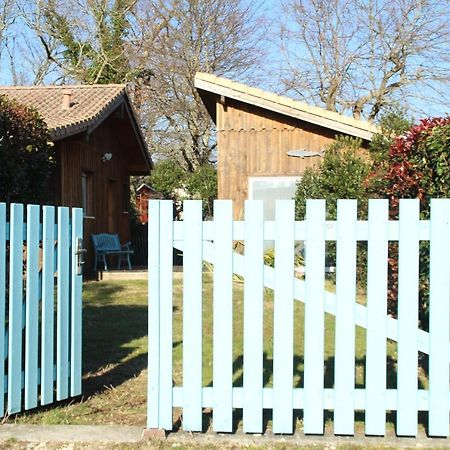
[[266, 141], [98, 145]]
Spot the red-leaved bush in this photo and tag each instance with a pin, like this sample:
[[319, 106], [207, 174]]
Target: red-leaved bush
[[418, 167]]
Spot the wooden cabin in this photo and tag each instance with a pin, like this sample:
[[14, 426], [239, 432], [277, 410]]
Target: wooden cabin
[[266, 141], [99, 145], [144, 193]]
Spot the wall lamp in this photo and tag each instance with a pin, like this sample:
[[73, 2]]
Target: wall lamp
[[106, 157]]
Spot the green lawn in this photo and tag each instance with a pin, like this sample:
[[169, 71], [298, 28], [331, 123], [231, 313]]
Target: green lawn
[[115, 359]]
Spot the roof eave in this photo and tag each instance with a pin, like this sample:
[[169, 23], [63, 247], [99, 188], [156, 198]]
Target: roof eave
[[138, 132], [206, 87]]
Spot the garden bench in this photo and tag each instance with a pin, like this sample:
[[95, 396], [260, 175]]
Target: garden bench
[[106, 244]]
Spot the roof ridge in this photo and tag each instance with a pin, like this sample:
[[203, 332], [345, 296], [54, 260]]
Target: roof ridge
[[64, 86]]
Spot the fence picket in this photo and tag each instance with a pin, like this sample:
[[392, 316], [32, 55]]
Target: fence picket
[[377, 270], [439, 312], [62, 326], [76, 307], [15, 309], [192, 314], [408, 283], [212, 242], [344, 368], [166, 311], [153, 397], [253, 317], [314, 316], [283, 328], [31, 309], [2, 303], [223, 316], [48, 299]]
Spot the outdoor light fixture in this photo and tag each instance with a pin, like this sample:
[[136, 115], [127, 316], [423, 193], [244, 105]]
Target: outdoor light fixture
[[106, 157], [303, 153]]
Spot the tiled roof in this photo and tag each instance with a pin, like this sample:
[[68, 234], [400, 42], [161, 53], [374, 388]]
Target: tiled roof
[[284, 105], [89, 105]]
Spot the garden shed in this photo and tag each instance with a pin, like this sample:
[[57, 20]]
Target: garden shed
[[144, 193], [98, 145], [265, 141]]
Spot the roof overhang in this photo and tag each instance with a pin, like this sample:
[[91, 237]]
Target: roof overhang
[[213, 89]]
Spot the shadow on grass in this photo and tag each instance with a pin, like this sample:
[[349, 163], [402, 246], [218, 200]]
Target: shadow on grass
[[329, 374], [110, 332], [114, 341]]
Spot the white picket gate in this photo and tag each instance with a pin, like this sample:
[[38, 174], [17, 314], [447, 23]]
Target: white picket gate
[[213, 241]]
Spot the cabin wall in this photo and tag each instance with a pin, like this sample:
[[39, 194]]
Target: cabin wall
[[110, 183], [253, 142]]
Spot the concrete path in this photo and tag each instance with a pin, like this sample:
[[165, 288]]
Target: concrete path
[[119, 434], [70, 433]]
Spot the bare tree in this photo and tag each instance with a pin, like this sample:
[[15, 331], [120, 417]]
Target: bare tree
[[217, 36], [157, 46], [7, 17], [364, 55]]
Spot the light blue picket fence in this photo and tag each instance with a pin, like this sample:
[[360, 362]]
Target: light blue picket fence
[[37, 349], [213, 241]]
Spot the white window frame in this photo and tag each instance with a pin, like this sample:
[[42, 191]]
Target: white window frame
[[266, 178]]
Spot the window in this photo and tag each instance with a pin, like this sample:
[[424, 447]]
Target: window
[[87, 194], [270, 189]]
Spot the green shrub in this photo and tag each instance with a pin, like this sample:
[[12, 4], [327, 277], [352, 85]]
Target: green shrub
[[342, 175], [27, 157], [202, 185], [167, 176]]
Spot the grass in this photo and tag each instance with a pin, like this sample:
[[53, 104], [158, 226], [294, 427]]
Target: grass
[[115, 359]]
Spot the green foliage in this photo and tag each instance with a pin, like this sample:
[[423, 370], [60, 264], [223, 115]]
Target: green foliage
[[202, 184], [98, 56], [394, 122], [27, 158], [341, 175], [167, 176]]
